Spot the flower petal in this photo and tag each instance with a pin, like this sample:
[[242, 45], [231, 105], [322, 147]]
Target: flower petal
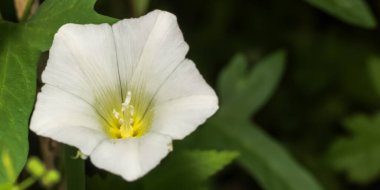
[[149, 48], [81, 81], [133, 157], [82, 61], [66, 118], [183, 103]]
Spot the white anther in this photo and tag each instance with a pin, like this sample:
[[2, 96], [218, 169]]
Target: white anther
[[116, 114], [127, 100]]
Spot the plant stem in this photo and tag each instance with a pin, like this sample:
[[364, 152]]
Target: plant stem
[[74, 169], [27, 183]]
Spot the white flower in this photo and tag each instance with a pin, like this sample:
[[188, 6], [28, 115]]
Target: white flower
[[122, 93]]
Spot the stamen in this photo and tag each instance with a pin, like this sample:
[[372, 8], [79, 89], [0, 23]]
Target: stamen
[[127, 100], [124, 121], [116, 114]]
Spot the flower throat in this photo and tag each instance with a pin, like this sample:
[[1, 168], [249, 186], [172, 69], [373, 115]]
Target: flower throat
[[126, 122]]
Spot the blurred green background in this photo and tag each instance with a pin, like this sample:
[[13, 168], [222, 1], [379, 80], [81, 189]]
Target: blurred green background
[[328, 77], [325, 109]]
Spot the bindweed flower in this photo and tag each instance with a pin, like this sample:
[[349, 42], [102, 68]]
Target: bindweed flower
[[122, 93]]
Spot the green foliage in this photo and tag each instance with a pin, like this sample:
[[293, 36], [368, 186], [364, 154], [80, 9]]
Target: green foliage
[[74, 168], [358, 154], [355, 12], [260, 155], [6, 186], [21, 45], [7, 164], [187, 169], [248, 92], [37, 171]]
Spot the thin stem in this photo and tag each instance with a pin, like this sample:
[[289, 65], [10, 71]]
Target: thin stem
[[138, 7], [27, 183], [74, 170]]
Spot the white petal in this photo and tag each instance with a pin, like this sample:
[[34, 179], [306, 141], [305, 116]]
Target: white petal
[[81, 79], [149, 48], [183, 103], [82, 61], [68, 119], [131, 158]]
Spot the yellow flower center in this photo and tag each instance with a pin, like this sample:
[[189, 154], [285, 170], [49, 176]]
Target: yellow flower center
[[127, 122]]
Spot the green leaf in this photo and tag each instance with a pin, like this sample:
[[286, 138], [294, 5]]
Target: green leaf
[[231, 76], [20, 48], [6, 186], [188, 169], [358, 154], [264, 158], [355, 12], [74, 169], [260, 155], [244, 93]]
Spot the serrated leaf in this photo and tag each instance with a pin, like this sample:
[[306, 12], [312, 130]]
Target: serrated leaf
[[246, 92], [359, 153], [188, 169], [20, 48], [355, 12]]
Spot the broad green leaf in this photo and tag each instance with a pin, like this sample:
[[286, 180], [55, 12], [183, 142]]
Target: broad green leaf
[[264, 158], [188, 169], [231, 76], [355, 12], [6, 186], [374, 72], [358, 154], [20, 48], [7, 164], [245, 92]]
